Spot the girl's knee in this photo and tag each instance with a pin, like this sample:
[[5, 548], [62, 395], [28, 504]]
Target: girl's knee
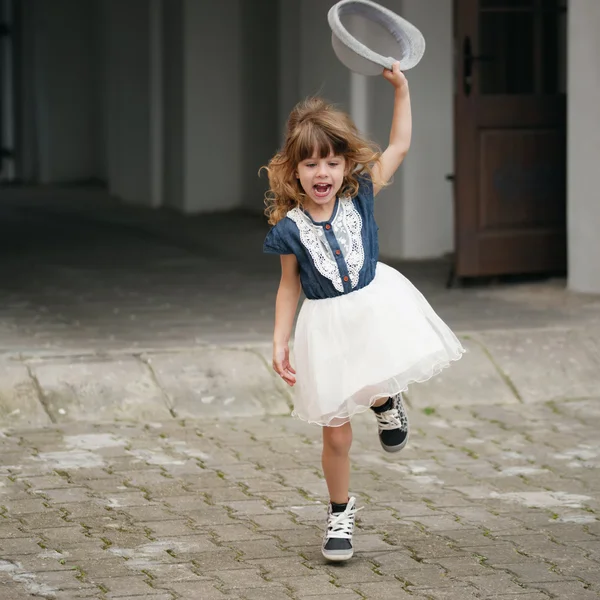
[[338, 439]]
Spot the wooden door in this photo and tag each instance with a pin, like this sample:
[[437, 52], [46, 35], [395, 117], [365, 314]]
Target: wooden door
[[510, 137]]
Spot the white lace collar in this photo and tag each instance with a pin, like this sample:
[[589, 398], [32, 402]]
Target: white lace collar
[[346, 224]]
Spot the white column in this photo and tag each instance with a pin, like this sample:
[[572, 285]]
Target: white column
[[212, 105], [156, 50], [416, 212], [583, 143], [359, 102], [128, 100]]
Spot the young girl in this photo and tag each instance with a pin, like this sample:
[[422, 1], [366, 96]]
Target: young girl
[[364, 333]]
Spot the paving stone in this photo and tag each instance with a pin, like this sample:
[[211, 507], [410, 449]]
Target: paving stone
[[209, 516], [150, 513], [194, 589], [24, 507], [535, 573], [48, 482], [312, 585], [469, 379], [124, 586], [221, 559], [275, 522], [275, 568], [589, 573], [13, 530], [106, 567], [570, 590], [172, 528], [231, 383], [237, 532], [343, 595], [152, 594], [390, 590], [19, 546], [260, 548], [548, 381], [100, 389], [271, 593], [20, 404], [213, 527], [62, 537], [60, 581], [524, 596], [361, 572], [497, 583], [240, 579], [462, 566], [463, 593]]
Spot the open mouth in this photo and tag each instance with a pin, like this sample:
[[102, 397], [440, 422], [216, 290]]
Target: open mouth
[[322, 189]]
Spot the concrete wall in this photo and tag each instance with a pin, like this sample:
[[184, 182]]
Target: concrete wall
[[173, 115], [584, 145], [128, 85], [213, 105], [259, 68], [59, 90], [289, 63]]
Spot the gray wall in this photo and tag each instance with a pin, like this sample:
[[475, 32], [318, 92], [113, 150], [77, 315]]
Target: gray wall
[[127, 27], [213, 105], [289, 61], [61, 116], [583, 141], [259, 67], [173, 94]]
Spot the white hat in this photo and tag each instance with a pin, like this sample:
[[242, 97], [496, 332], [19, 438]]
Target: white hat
[[372, 38]]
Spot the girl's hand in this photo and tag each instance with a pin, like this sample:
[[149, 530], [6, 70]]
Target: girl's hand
[[281, 364], [396, 76]]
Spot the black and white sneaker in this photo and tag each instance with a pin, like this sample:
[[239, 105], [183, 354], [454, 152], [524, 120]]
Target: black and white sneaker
[[392, 423], [337, 543]]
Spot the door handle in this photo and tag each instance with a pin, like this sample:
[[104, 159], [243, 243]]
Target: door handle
[[468, 59]]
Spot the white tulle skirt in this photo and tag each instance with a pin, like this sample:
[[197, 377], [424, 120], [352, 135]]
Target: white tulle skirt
[[372, 343]]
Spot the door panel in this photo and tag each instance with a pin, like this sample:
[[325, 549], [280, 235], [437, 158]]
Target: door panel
[[510, 112]]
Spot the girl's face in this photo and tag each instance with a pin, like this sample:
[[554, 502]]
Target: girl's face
[[322, 178]]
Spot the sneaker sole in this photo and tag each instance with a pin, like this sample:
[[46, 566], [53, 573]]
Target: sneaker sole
[[337, 557], [395, 448]]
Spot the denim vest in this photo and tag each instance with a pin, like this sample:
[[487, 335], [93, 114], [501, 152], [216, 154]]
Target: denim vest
[[337, 256]]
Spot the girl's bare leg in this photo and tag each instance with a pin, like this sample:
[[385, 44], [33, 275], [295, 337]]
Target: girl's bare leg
[[336, 461]]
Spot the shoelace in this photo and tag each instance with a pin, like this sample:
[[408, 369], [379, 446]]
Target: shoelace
[[342, 525], [394, 418]]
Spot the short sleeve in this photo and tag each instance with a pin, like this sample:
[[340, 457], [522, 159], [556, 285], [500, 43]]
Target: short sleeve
[[273, 243], [365, 191]]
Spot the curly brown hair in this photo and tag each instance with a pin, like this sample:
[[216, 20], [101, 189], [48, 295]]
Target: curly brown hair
[[315, 126]]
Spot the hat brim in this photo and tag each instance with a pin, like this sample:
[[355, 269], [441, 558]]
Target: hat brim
[[372, 37]]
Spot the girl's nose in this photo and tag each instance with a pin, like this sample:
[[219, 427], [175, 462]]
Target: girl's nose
[[322, 169]]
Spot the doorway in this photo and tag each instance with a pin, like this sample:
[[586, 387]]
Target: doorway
[[510, 137]]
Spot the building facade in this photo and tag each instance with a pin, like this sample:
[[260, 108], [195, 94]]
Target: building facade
[[178, 103]]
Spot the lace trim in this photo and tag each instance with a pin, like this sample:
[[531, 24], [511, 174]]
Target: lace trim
[[347, 228], [355, 252]]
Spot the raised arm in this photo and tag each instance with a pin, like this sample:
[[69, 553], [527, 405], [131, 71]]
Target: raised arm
[[400, 133], [285, 311]]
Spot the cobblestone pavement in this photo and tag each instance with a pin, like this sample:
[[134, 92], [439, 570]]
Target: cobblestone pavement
[[487, 502]]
